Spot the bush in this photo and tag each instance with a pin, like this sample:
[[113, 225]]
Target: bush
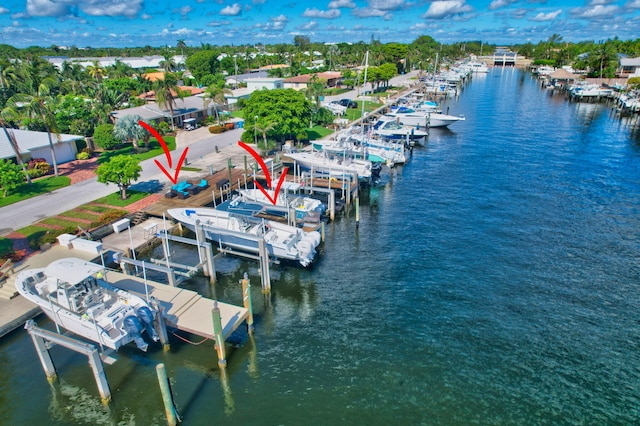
[[111, 216], [216, 129], [103, 137], [37, 167], [82, 156], [229, 126], [163, 128]]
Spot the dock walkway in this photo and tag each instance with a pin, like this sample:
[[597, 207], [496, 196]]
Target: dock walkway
[[183, 309]]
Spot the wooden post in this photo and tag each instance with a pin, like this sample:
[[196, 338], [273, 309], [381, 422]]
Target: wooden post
[[246, 299], [332, 205], [217, 331], [322, 230], [229, 166], [167, 398], [357, 212]]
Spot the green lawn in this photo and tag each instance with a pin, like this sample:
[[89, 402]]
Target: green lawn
[[37, 187], [155, 149], [355, 113], [115, 200], [317, 132]]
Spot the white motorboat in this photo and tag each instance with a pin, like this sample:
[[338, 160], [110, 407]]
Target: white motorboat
[[305, 208], [336, 165], [242, 233], [422, 119], [390, 128], [74, 294]]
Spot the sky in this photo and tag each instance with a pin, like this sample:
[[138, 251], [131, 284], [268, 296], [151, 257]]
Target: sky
[[133, 23]]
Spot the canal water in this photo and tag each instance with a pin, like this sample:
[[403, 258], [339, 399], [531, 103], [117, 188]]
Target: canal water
[[491, 280]]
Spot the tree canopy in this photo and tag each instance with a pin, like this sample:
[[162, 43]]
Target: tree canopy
[[121, 170], [286, 111]]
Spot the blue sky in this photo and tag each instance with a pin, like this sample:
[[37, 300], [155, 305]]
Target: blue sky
[[122, 23]]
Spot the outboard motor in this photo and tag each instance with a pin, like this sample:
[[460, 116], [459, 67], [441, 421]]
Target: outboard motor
[[133, 326], [145, 314]]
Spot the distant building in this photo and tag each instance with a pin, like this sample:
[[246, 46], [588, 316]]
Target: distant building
[[503, 57], [191, 107], [629, 67], [36, 145], [301, 82], [134, 62]]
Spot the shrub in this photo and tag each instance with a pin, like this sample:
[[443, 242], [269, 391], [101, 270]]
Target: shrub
[[216, 129], [103, 137], [82, 156], [229, 126], [38, 167], [163, 128], [111, 216], [88, 151]]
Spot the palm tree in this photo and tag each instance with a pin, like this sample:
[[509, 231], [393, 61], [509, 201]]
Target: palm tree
[[168, 64], [128, 129], [215, 94], [39, 105], [181, 45], [263, 128], [96, 71], [166, 90]]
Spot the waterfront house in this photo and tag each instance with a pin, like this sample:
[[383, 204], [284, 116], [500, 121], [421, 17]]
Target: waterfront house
[[36, 145], [629, 67]]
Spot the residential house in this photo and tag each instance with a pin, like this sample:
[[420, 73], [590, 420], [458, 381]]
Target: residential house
[[253, 84], [629, 67], [301, 82], [36, 145], [189, 107]]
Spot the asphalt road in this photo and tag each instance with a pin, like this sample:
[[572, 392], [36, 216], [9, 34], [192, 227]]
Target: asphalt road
[[202, 154]]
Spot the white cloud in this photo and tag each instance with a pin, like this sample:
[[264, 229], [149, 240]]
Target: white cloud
[[185, 10], [46, 8], [232, 10], [311, 25], [129, 8], [540, 17], [446, 8], [218, 23], [594, 12], [635, 4], [3, 10], [496, 4], [372, 13], [386, 4], [337, 4], [325, 14]]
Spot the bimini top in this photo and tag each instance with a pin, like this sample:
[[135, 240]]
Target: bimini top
[[72, 269]]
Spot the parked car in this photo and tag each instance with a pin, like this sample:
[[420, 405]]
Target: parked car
[[348, 103]]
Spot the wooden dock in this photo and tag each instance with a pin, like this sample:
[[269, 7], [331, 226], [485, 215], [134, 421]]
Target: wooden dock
[[184, 309], [217, 182]]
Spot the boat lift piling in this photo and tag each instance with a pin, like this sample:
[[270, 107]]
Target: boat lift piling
[[167, 397], [41, 336], [246, 299]]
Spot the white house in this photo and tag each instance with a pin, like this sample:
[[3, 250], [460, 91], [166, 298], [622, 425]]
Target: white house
[[262, 83], [36, 145]]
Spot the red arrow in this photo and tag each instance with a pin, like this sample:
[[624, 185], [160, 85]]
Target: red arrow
[[167, 154], [265, 170]]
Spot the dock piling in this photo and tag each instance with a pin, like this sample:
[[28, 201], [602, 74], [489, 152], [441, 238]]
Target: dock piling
[[167, 398], [246, 298], [217, 331]]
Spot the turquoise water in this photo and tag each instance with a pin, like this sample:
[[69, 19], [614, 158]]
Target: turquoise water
[[491, 280]]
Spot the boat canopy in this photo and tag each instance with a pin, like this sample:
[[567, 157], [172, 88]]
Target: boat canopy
[[72, 270]]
